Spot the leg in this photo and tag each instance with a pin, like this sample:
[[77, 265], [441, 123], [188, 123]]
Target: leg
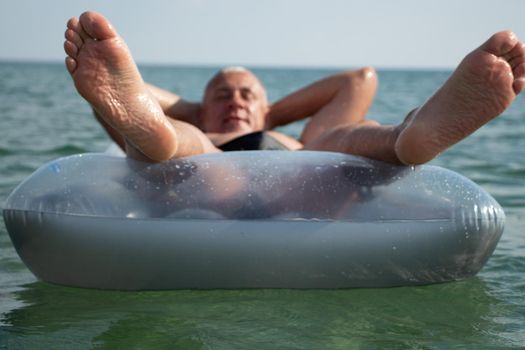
[[105, 74], [337, 100], [367, 139], [482, 87], [115, 136], [349, 105]]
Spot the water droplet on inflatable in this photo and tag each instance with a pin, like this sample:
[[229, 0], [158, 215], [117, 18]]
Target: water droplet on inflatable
[[55, 168]]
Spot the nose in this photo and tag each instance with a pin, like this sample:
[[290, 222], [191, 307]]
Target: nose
[[236, 100]]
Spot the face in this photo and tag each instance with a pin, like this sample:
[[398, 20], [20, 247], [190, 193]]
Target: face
[[234, 102]]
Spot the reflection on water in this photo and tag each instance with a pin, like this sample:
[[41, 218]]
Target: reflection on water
[[457, 313]]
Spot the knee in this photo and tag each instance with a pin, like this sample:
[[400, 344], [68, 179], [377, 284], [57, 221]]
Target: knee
[[363, 76], [367, 72]]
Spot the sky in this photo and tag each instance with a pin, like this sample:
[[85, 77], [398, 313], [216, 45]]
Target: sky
[[298, 33]]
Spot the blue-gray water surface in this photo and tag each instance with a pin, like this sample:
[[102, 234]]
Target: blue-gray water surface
[[42, 118]]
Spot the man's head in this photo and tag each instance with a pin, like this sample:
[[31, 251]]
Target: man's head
[[234, 100]]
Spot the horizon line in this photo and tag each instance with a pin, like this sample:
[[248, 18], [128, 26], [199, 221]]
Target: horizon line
[[276, 66]]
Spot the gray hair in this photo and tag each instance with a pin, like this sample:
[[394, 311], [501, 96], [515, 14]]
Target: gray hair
[[234, 69]]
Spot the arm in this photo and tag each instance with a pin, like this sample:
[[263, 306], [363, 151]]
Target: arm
[[342, 98], [174, 106]]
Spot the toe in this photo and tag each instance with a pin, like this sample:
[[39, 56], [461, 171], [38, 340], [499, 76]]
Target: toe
[[71, 49], [516, 56], [517, 50], [71, 64], [501, 43], [519, 70], [73, 36], [518, 85], [74, 25], [96, 26]]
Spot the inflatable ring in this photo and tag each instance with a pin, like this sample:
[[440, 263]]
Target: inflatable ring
[[258, 219]]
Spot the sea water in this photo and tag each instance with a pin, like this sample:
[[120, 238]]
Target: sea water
[[42, 118]]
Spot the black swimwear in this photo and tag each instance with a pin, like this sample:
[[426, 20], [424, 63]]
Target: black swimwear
[[255, 141]]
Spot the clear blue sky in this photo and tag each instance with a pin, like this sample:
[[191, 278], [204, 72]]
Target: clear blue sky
[[325, 33]]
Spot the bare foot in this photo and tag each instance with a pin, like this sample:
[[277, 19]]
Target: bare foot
[[106, 75], [482, 87]]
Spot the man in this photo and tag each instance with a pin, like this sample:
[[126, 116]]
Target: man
[[157, 125]]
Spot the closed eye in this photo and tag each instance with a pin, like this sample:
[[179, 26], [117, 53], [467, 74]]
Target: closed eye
[[247, 94], [221, 94]]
